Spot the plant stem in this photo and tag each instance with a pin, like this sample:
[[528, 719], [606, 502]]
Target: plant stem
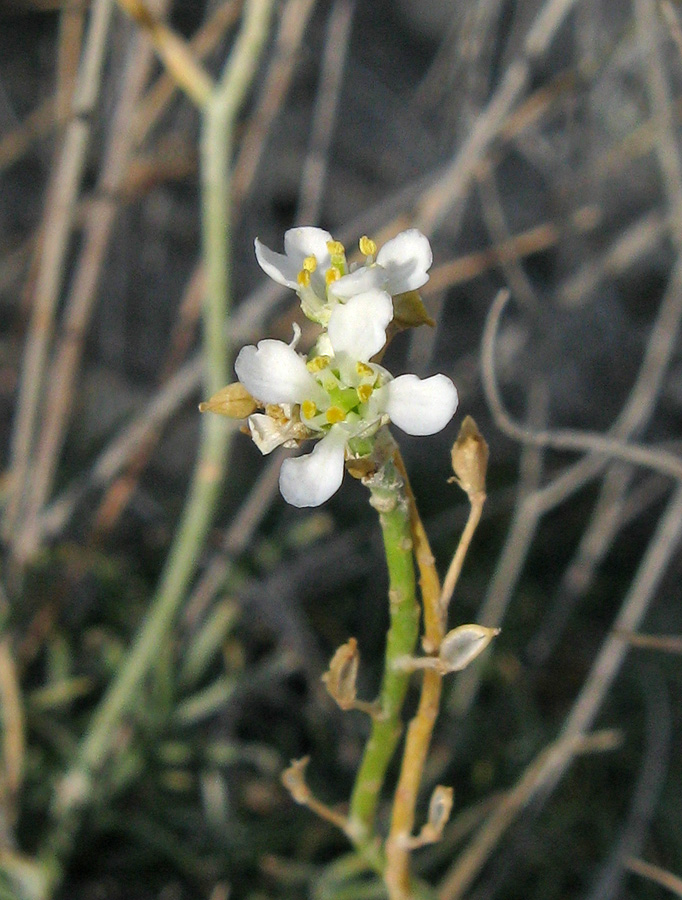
[[389, 499], [452, 577], [420, 730], [219, 114]]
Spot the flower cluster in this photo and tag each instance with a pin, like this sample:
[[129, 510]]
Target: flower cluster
[[336, 394]]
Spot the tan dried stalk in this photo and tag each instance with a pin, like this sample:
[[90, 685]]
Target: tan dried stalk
[[56, 230], [420, 730], [100, 218]]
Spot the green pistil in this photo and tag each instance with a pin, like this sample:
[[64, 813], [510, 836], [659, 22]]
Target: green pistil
[[345, 398]]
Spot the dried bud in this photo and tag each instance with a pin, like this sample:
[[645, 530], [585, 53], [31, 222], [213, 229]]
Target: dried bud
[[233, 401], [440, 807], [462, 645], [293, 780], [470, 458], [362, 467], [342, 674]]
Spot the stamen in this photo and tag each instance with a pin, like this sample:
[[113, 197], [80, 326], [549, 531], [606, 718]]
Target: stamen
[[367, 246], [303, 278], [364, 392], [332, 274], [310, 263], [363, 369], [308, 409], [318, 363], [337, 259], [335, 414]]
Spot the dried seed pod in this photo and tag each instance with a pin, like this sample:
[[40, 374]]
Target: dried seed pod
[[470, 458], [463, 644], [342, 674], [233, 401], [440, 807], [293, 780]]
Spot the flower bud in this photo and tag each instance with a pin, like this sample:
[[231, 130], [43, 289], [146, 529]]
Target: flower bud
[[233, 401], [470, 458]]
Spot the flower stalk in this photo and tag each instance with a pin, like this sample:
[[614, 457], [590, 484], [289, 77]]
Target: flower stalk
[[388, 497], [469, 458]]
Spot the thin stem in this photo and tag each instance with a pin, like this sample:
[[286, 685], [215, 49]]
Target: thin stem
[[421, 727], [219, 116], [53, 246], [389, 499], [174, 52], [452, 577], [429, 582]]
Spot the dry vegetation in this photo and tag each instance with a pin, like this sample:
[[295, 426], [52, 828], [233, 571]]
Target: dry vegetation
[[538, 145]]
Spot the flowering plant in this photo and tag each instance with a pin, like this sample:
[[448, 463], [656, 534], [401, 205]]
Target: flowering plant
[[340, 395], [337, 394]]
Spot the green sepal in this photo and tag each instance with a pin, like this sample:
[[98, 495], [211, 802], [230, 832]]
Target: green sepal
[[409, 311]]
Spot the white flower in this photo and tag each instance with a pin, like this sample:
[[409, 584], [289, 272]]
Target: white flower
[[339, 396], [401, 265], [315, 266]]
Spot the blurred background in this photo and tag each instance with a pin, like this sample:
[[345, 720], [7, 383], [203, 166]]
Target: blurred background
[[538, 146]]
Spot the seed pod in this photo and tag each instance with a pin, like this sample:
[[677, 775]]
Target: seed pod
[[440, 807], [342, 674], [470, 458], [293, 780], [233, 401], [462, 645]]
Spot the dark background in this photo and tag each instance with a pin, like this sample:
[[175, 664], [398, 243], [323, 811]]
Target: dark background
[[574, 203]]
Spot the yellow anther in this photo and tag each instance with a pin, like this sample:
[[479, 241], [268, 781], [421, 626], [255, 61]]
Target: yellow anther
[[335, 248], [317, 363], [310, 263], [363, 369], [367, 246], [303, 278], [364, 392], [308, 409], [332, 274], [335, 414]]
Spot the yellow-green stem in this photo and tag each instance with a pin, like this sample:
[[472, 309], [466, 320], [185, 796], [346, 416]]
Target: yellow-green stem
[[388, 498]]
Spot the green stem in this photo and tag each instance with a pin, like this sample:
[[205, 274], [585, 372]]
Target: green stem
[[388, 498], [218, 116]]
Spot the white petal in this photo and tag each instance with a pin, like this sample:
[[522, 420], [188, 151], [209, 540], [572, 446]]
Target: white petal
[[407, 258], [419, 407], [311, 479], [278, 266], [358, 282], [274, 372], [358, 327], [307, 241]]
